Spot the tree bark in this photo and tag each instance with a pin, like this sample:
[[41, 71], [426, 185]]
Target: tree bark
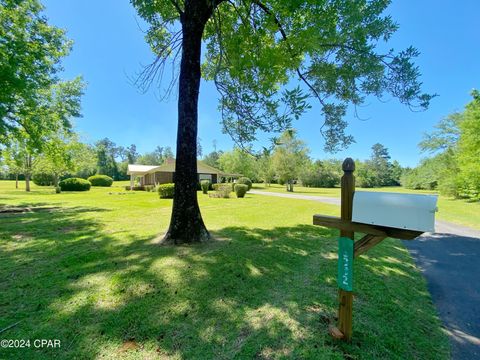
[[27, 182], [16, 181], [290, 185], [28, 166], [186, 224]]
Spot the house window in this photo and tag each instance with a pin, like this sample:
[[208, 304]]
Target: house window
[[205, 177]]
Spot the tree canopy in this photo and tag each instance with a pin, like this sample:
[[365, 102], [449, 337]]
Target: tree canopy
[[30, 53], [454, 169], [289, 158], [255, 49]]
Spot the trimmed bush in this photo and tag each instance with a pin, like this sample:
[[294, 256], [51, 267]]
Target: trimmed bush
[[74, 184], [246, 181], [241, 190], [100, 180], [149, 188], [205, 184], [42, 179], [166, 191]]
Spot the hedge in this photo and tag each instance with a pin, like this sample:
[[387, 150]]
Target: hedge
[[222, 191], [166, 191], [217, 185], [100, 180], [75, 184]]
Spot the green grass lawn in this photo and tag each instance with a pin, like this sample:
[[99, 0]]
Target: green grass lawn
[[454, 210], [88, 271]]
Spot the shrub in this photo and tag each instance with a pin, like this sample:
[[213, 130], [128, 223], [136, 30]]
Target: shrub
[[216, 186], [222, 191], [246, 181], [75, 184], [42, 179], [241, 190], [166, 191], [205, 184], [149, 188], [141, 188], [100, 180]]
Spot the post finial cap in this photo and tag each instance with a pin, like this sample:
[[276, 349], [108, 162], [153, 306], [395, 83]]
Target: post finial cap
[[348, 165]]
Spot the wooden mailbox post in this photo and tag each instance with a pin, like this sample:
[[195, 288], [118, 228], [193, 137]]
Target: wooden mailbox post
[[406, 224]]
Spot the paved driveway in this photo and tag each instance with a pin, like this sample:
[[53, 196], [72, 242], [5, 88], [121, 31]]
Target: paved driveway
[[450, 261]]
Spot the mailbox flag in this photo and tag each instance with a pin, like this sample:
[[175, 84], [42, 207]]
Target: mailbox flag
[[345, 264]]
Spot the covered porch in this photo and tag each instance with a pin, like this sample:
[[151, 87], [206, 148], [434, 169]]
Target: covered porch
[[146, 173]]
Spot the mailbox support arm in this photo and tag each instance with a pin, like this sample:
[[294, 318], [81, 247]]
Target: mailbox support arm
[[366, 243]]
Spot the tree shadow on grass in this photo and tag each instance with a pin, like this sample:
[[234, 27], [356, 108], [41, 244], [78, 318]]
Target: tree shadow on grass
[[251, 293]]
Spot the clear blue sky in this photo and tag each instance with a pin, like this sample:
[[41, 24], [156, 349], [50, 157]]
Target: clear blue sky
[[109, 49]]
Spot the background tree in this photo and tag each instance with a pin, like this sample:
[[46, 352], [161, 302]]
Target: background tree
[[266, 170], [378, 170], [319, 174], [132, 154], [239, 161], [60, 156], [156, 157], [453, 169], [22, 157], [199, 148], [426, 176], [289, 158], [396, 171], [84, 159], [107, 152], [212, 158], [42, 125], [14, 157], [254, 50], [469, 150], [30, 53], [445, 136], [381, 164]]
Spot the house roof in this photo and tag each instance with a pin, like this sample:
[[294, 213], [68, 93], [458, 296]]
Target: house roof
[[135, 169], [169, 166], [202, 168]]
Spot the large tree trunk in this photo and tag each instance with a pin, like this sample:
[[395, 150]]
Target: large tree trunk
[[186, 224], [16, 181]]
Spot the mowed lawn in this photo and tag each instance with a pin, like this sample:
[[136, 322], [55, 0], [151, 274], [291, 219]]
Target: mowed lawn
[[85, 268], [458, 211]]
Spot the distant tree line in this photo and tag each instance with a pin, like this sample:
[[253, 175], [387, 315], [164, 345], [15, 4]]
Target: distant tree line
[[453, 167], [66, 156], [289, 163]]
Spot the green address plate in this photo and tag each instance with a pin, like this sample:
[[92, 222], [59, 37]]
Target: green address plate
[[345, 264]]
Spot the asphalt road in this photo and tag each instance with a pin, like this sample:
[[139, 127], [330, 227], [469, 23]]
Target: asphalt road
[[450, 261]]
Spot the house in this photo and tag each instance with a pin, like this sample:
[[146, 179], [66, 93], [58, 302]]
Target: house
[[154, 175]]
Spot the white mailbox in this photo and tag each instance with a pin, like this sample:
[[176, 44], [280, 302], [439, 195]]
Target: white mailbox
[[402, 211]]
